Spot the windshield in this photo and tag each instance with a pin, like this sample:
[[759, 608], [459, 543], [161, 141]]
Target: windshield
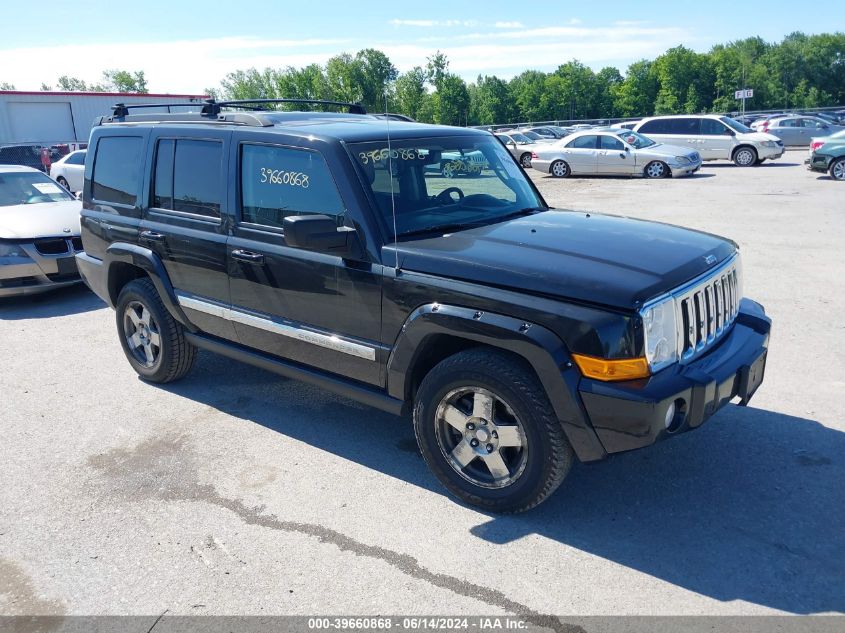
[[736, 126], [532, 135], [635, 139], [29, 187], [520, 138], [443, 184]]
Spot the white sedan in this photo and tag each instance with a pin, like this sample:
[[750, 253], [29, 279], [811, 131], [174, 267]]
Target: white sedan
[[614, 152], [69, 170], [39, 232]]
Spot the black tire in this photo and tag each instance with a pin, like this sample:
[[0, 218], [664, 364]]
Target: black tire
[[63, 182], [525, 160], [657, 169], [560, 169], [530, 442], [173, 356], [837, 169], [745, 156]]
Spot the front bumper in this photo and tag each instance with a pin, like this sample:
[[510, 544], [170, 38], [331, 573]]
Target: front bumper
[[689, 169], [770, 153], [632, 414], [37, 272]]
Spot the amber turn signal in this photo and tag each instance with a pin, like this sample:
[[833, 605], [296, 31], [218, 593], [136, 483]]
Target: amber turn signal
[[608, 370]]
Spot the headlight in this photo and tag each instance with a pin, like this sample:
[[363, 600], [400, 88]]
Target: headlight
[[660, 334], [12, 251], [683, 160], [769, 143]]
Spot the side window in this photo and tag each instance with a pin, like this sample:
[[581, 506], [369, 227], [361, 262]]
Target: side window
[[611, 142], [812, 124], [279, 181], [711, 127], [117, 169], [786, 123], [583, 142], [654, 127], [76, 159], [686, 126], [187, 176]]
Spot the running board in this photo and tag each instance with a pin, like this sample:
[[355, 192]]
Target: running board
[[355, 391]]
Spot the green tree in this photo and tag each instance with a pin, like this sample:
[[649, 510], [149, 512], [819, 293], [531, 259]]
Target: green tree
[[526, 93], [345, 78], [377, 75], [637, 93], [678, 69], [490, 101], [125, 81], [411, 94]]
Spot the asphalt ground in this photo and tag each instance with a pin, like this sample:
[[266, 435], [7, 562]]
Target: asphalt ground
[[237, 492]]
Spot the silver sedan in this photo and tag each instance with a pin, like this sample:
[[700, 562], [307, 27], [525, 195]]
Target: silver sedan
[[614, 152], [520, 147]]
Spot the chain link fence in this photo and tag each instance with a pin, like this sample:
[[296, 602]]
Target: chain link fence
[[37, 154]]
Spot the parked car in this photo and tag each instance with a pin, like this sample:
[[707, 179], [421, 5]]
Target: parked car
[[39, 232], [519, 145], [549, 131], [318, 246], [69, 170], [828, 154], [614, 152], [714, 137], [536, 137], [625, 125], [796, 131]]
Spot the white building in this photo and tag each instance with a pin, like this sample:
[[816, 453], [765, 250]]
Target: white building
[[48, 118]]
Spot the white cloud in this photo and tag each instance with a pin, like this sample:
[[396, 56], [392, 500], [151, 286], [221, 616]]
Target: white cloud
[[433, 23], [509, 25]]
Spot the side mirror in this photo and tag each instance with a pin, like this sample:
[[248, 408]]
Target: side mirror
[[627, 149], [320, 233]]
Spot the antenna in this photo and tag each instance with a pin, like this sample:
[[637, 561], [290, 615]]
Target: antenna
[[390, 177]]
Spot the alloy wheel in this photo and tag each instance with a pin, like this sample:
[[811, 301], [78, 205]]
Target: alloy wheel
[[142, 334], [481, 437], [838, 170]]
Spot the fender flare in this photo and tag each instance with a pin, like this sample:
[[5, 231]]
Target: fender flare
[[149, 262], [540, 347]]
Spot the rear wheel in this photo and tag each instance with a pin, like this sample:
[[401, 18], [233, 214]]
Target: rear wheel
[[656, 169], [153, 341], [837, 169], [745, 157], [488, 432], [559, 169]]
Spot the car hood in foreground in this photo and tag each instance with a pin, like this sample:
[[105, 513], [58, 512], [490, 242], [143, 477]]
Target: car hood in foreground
[[42, 219], [599, 259]]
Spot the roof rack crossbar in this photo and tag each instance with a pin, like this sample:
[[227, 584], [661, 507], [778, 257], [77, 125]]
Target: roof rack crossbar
[[212, 108]]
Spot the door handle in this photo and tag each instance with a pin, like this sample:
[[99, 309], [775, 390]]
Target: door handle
[[248, 256], [152, 236]]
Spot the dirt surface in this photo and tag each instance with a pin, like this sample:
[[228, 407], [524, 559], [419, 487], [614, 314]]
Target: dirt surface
[[237, 492]]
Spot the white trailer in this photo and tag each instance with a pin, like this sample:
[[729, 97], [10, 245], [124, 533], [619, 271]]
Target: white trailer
[[49, 118]]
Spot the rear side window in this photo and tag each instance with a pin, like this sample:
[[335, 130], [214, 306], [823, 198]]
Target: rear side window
[[280, 181], [583, 142], [187, 176], [117, 169], [654, 127], [76, 159]]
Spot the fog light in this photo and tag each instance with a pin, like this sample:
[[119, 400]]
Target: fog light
[[670, 416]]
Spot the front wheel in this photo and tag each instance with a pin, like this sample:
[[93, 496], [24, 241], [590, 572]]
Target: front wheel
[[656, 169], [745, 157], [488, 432], [525, 160], [153, 341], [837, 169], [63, 182]]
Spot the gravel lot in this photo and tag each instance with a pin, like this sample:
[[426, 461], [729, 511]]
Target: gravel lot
[[237, 492]]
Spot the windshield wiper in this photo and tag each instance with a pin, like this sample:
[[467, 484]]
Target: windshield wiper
[[458, 226]]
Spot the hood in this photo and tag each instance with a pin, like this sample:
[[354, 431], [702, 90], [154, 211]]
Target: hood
[[667, 150], [757, 137], [600, 259], [43, 219]]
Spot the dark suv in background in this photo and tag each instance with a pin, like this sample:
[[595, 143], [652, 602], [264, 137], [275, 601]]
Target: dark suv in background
[[330, 247]]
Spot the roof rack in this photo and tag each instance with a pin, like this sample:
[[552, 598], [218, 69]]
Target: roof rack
[[212, 108]]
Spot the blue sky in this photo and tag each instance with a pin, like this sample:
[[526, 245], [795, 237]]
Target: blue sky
[[189, 46]]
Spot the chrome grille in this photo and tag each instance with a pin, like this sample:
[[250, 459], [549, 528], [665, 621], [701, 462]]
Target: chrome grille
[[706, 309]]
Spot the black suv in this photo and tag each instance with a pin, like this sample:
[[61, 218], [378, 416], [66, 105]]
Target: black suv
[[329, 247]]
